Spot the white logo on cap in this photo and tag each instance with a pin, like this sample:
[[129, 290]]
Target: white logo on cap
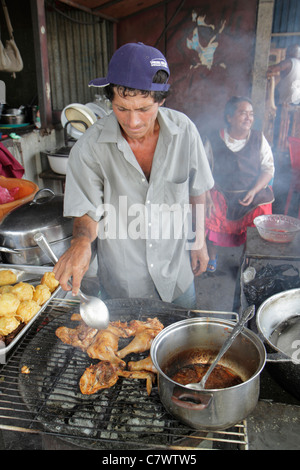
[[159, 63]]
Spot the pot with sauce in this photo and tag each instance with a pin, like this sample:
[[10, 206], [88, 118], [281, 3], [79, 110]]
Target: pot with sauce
[[181, 354]]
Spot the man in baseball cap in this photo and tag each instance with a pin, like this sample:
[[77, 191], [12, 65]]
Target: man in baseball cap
[[142, 164]]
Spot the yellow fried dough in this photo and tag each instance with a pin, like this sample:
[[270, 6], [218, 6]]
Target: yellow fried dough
[[5, 289], [41, 294], [49, 280], [23, 291], [7, 325], [7, 277], [26, 310], [8, 304]]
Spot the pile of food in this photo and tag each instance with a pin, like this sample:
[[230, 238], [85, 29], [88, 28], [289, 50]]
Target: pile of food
[[20, 301], [8, 195], [104, 346]]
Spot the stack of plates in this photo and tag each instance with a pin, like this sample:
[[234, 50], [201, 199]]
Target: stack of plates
[[87, 115]]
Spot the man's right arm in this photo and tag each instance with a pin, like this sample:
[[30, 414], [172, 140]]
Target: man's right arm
[[76, 260]]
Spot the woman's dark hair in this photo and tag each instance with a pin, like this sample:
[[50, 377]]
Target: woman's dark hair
[[160, 77], [232, 104]]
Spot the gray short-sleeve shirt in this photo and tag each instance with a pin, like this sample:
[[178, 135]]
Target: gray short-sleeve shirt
[[143, 248]]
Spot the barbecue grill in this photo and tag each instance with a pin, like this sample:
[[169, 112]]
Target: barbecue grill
[[48, 401]]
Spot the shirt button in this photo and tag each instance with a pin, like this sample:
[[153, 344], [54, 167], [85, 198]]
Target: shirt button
[[143, 180], [150, 245], [148, 202], [151, 265]]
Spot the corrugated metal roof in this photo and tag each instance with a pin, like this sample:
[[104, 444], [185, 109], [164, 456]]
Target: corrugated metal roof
[[286, 22]]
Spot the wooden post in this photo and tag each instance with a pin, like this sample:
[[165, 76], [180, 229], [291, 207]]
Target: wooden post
[[42, 64]]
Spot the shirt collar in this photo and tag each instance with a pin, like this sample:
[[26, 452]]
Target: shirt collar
[[111, 130], [167, 125]]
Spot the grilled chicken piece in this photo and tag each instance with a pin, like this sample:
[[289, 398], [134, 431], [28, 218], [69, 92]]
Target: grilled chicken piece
[[97, 377], [79, 337], [144, 364], [140, 343], [104, 347], [150, 378], [120, 329], [117, 327], [137, 326], [105, 375]]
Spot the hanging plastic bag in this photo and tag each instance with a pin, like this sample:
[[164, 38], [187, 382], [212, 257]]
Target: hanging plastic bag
[[10, 57]]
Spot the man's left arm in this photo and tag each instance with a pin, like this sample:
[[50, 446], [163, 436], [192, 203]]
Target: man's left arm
[[199, 253]]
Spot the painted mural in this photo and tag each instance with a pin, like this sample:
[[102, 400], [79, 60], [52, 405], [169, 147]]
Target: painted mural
[[209, 46], [205, 51]]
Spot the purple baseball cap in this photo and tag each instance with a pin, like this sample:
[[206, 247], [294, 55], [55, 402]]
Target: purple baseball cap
[[134, 66]]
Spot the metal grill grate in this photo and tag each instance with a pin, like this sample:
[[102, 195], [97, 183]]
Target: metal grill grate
[[48, 399]]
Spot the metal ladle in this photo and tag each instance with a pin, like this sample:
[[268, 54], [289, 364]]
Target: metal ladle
[[93, 310], [246, 315]]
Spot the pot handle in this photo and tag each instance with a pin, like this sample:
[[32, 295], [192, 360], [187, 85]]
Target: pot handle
[[48, 190], [280, 357], [192, 401], [10, 250]]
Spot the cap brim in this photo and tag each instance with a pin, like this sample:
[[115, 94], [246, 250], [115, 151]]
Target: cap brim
[[100, 82]]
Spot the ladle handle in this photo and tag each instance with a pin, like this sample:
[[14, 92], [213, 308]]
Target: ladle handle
[[41, 241], [246, 315]]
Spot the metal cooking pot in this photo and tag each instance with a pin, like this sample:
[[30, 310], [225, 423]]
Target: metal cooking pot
[[43, 214], [278, 323], [13, 116], [208, 409]]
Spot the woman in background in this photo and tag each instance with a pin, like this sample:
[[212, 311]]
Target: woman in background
[[243, 167]]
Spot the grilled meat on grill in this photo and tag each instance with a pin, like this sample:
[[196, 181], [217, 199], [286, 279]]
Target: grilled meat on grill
[[149, 376], [79, 337], [103, 345], [98, 376], [105, 375], [140, 343], [143, 364]]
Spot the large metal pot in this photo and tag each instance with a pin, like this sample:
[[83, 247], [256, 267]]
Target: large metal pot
[[13, 116], [43, 214], [278, 323], [210, 409]]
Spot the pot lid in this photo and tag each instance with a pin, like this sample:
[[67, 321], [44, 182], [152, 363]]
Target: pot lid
[[43, 214]]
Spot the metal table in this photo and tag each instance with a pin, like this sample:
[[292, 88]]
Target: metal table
[[256, 247]]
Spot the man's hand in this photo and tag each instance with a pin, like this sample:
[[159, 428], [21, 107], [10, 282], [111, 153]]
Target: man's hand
[[76, 260], [199, 260], [73, 263]]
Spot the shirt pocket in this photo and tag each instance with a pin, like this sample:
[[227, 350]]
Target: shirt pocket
[[176, 193]]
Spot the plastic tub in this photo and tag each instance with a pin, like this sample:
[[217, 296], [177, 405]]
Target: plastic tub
[[58, 163], [27, 190]]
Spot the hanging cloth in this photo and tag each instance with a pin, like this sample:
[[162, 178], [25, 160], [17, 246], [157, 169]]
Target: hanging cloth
[[9, 166], [10, 57]]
